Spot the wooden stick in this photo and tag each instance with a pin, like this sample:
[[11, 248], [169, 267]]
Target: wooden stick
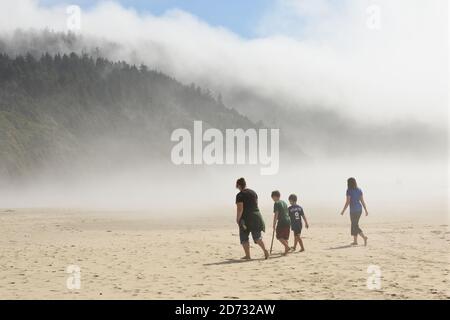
[[271, 245]]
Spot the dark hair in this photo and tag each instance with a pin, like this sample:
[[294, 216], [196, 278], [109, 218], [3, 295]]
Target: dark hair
[[293, 198], [351, 183], [241, 183], [275, 193]]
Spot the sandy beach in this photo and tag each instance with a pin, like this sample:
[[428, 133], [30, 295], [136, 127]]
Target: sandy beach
[[136, 257]]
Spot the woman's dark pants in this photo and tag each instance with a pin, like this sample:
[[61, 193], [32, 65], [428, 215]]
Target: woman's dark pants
[[354, 218]]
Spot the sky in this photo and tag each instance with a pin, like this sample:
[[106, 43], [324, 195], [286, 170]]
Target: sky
[[236, 15], [372, 60]]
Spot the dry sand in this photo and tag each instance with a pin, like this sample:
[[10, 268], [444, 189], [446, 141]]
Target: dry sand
[[147, 258]]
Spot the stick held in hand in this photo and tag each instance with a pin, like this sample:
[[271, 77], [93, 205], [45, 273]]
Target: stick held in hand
[[271, 245]]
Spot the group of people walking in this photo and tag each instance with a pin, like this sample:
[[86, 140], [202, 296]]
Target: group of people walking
[[285, 219]]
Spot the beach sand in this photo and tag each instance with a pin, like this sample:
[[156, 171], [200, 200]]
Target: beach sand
[[133, 257]]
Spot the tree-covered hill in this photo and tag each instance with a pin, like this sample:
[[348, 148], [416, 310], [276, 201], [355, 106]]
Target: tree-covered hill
[[56, 110]]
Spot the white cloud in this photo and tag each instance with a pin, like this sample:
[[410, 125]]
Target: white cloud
[[309, 52]]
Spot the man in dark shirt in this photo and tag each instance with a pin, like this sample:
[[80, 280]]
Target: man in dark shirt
[[249, 218]]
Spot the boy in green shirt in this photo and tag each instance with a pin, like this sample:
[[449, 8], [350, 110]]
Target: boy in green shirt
[[281, 220]]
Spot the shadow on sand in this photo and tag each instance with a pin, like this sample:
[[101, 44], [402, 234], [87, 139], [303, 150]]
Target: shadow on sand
[[343, 247], [233, 261]]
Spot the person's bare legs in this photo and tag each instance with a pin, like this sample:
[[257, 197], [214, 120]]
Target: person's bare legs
[[295, 244], [355, 240], [285, 243], [302, 248], [364, 237], [263, 247], [246, 246]]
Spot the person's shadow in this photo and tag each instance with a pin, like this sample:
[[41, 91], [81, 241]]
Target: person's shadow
[[227, 261], [233, 261], [342, 247]]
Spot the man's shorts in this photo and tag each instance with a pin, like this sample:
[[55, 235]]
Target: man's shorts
[[243, 235], [283, 232], [297, 229]]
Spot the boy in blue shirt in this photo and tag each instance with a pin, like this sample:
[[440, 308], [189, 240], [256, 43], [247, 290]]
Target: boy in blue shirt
[[296, 213]]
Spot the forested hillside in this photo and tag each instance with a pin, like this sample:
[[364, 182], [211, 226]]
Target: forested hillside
[[56, 110]]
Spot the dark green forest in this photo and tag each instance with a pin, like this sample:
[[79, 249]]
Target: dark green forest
[[56, 110]]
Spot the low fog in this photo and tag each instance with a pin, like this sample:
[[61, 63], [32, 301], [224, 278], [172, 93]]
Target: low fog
[[393, 189], [348, 100]]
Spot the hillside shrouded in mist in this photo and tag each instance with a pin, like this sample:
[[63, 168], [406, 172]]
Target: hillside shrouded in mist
[[317, 129], [57, 110], [81, 127]]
